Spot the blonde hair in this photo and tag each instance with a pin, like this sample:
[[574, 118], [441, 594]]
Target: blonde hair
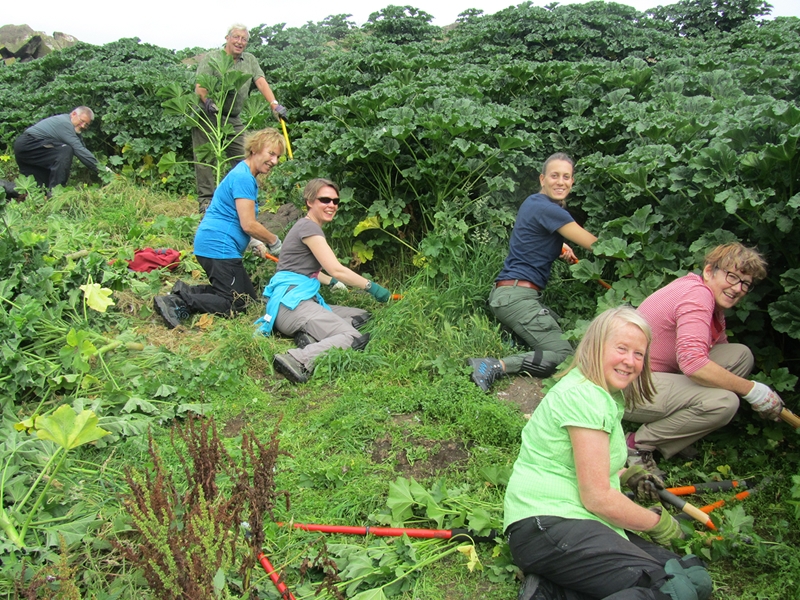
[[265, 138], [314, 186], [589, 354], [737, 256]]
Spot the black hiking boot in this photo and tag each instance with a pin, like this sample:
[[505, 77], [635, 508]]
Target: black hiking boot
[[360, 320], [172, 309], [303, 339], [291, 368], [538, 588], [485, 371]]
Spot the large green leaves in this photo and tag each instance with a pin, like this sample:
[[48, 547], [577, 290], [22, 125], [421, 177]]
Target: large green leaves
[[68, 428]]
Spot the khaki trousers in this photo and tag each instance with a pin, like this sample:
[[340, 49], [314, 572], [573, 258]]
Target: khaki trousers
[[683, 411]]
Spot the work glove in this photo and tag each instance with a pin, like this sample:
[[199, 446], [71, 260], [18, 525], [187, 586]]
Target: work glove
[[765, 402], [380, 293], [280, 111], [336, 285], [275, 248], [210, 106], [666, 530], [258, 247], [642, 483]]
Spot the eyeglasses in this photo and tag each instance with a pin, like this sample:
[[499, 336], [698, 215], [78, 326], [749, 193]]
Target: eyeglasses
[[239, 38], [734, 279], [326, 200]]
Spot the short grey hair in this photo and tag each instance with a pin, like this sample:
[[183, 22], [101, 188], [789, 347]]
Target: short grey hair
[[238, 27], [84, 110]]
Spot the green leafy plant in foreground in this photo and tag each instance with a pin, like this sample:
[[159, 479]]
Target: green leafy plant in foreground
[[66, 429]]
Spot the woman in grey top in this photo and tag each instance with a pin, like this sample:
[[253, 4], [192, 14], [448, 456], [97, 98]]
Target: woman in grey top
[[295, 306]]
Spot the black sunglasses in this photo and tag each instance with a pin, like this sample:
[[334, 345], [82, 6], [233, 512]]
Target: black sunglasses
[[325, 200]]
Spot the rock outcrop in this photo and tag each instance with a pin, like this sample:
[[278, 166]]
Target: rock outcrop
[[21, 43]]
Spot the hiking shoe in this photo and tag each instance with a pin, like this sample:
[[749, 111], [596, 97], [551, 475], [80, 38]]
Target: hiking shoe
[[303, 339], [644, 458], [688, 453], [485, 371], [360, 342], [538, 588], [360, 320], [181, 289], [291, 368], [172, 309]]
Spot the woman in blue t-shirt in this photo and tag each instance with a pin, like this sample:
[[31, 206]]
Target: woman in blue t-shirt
[[537, 240], [569, 526], [228, 227]]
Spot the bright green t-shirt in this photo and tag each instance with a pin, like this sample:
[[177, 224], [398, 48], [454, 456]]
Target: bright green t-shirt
[[544, 481]]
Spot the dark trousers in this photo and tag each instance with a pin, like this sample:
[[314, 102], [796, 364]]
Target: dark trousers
[[205, 176], [587, 559], [230, 289], [49, 161]]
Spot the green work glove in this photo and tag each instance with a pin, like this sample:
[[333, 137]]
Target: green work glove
[[638, 479], [666, 530], [380, 293]]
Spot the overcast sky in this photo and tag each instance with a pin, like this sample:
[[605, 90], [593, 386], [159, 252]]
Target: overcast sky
[[179, 25]]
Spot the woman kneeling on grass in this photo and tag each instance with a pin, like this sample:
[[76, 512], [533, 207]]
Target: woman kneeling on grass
[[295, 307], [228, 227], [568, 524]]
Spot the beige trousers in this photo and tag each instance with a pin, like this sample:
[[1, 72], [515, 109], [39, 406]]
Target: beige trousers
[[683, 411]]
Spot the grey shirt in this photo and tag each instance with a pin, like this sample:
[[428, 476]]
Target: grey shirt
[[59, 129], [295, 255]]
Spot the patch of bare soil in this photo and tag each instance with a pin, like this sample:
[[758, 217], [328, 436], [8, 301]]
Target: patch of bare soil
[[420, 458], [525, 392]]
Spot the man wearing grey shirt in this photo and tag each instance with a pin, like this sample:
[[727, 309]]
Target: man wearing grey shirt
[[45, 150]]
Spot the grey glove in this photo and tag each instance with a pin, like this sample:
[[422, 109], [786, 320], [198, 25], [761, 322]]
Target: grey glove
[[275, 249], [210, 106], [280, 110]]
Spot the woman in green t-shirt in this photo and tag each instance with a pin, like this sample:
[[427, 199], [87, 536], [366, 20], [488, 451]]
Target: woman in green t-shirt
[[569, 526]]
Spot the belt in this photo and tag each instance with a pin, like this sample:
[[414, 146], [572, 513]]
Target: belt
[[517, 283]]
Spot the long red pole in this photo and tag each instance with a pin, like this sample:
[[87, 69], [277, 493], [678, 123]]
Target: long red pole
[[276, 579]]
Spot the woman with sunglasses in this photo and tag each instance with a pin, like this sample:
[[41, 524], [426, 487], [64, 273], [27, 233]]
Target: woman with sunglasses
[[295, 307], [228, 228], [698, 376]]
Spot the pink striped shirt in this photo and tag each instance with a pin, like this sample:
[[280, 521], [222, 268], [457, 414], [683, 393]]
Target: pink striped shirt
[[685, 325]]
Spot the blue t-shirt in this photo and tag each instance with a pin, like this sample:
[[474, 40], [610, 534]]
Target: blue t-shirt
[[535, 241], [220, 234]]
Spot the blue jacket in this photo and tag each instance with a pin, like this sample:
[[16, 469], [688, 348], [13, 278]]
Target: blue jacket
[[278, 293]]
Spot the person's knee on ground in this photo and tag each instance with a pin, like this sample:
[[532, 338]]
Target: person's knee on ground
[[537, 366]]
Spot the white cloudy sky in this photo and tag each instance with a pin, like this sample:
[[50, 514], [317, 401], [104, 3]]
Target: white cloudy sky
[[203, 23]]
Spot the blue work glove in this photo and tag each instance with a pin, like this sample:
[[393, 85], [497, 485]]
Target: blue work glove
[[280, 110], [380, 293], [210, 106]]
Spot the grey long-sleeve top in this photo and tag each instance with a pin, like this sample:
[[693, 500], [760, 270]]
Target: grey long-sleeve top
[[60, 129]]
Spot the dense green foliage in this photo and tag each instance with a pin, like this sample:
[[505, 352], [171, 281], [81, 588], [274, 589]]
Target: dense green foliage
[[685, 124]]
